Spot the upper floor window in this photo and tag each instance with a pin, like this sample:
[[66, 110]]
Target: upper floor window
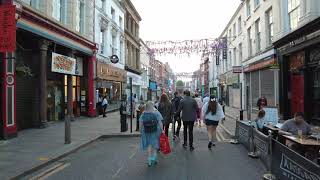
[[249, 42], [269, 19], [256, 3], [120, 21], [258, 35], [33, 3], [294, 13], [56, 11], [234, 30], [102, 41], [230, 35], [248, 5], [239, 25], [113, 14], [80, 16], [240, 52], [103, 5]]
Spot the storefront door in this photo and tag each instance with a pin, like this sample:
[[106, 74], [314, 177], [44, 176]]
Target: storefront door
[[297, 93], [315, 101]]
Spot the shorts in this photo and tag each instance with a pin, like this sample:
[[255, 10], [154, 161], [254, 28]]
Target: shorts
[[212, 123]]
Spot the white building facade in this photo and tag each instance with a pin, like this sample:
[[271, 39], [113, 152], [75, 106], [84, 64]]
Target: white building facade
[[109, 36], [249, 36], [145, 66]]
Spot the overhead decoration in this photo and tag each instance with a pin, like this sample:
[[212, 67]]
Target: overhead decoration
[[210, 46]]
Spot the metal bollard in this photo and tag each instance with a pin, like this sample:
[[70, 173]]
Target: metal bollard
[[269, 175], [241, 115]]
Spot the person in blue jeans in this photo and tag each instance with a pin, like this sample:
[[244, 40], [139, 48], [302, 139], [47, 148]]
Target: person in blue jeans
[[212, 114], [151, 129]]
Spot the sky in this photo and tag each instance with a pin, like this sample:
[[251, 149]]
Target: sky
[[183, 20]]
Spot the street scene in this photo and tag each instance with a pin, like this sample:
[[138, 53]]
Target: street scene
[[170, 89]]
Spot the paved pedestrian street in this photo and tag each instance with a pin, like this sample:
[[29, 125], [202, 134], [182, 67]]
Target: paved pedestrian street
[[121, 158]]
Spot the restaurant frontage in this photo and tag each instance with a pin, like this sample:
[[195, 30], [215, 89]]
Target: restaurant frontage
[[110, 82], [299, 57], [53, 70]]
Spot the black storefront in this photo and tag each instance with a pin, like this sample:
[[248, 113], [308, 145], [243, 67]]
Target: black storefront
[[299, 59]]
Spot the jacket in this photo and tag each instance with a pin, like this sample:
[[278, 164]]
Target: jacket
[[188, 106], [166, 112], [215, 117]]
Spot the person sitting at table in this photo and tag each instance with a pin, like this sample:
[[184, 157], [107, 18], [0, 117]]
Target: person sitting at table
[[259, 122], [291, 128]]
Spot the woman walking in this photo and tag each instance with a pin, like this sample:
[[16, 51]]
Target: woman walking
[[166, 110], [151, 128], [213, 113]]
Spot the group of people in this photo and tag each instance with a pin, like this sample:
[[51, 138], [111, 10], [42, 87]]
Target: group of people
[[156, 118]]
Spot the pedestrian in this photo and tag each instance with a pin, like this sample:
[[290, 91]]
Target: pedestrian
[[151, 128], [156, 103], [213, 113], [175, 105], [262, 102], [165, 108], [259, 121], [140, 110], [199, 102], [134, 103], [188, 107], [99, 105], [104, 106]]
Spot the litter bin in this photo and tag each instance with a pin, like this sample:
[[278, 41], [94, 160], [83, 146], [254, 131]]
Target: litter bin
[[123, 117]]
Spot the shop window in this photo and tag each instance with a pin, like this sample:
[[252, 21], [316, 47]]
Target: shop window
[[267, 86]]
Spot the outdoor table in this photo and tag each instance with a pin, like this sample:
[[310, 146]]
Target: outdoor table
[[303, 141]]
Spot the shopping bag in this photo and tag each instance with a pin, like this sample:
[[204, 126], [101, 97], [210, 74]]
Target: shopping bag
[[164, 144]]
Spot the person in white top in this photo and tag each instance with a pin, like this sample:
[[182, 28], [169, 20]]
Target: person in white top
[[199, 102], [212, 113], [104, 105]]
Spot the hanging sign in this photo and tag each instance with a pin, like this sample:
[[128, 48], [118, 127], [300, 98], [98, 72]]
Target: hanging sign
[[63, 64], [7, 28], [114, 59], [237, 69]]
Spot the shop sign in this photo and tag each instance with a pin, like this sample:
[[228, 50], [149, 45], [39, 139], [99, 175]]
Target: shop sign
[[136, 79], [7, 28], [109, 72], [237, 69], [63, 64], [79, 67], [232, 79], [114, 59], [260, 65], [225, 49]]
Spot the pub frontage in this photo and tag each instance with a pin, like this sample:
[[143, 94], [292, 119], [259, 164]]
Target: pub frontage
[[299, 58], [53, 73], [110, 82]]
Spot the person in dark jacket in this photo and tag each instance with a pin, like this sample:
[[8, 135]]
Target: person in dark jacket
[[175, 105], [188, 106], [165, 108]]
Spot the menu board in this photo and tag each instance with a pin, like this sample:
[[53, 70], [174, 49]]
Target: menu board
[[272, 116]]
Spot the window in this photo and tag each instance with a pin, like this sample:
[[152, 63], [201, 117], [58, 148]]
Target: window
[[248, 8], [269, 23], [121, 51], [240, 52], [120, 21], [103, 3], [113, 14], [230, 35], [56, 11], [256, 3], [234, 56], [234, 30], [294, 13], [258, 35], [113, 45], [102, 41], [239, 25], [80, 16], [249, 42], [229, 63]]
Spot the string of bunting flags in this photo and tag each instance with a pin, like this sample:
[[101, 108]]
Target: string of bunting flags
[[210, 46]]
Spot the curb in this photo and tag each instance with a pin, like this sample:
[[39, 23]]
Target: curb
[[44, 164]]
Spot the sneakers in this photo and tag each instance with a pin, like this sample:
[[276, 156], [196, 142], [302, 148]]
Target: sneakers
[[209, 145], [184, 146], [191, 148]]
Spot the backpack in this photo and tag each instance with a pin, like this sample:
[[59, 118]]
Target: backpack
[[150, 123]]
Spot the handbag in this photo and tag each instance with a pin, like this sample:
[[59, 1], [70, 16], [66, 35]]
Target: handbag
[[164, 144]]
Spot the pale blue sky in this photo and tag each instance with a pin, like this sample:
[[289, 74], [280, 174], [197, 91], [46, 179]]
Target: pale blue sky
[[181, 20]]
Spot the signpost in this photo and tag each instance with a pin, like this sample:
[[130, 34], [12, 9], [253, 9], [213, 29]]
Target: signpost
[[131, 105]]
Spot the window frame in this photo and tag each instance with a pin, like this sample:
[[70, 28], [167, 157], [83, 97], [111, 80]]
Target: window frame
[[258, 34], [293, 9]]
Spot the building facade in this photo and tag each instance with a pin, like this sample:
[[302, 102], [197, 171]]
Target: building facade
[[132, 45], [145, 57], [52, 66], [244, 68], [298, 46], [111, 77]]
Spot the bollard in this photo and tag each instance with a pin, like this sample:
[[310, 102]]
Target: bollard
[[241, 115], [252, 153], [269, 175]]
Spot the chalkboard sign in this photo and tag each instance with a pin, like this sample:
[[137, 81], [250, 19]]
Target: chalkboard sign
[[271, 116]]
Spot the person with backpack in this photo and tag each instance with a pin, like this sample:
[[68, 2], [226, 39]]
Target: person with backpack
[[151, 129], [212, 113], [165, 108]]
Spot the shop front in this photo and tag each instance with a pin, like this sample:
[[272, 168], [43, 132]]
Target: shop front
[[136, 84], [299, 59], [261, 80], [111, 83], [233, 90]]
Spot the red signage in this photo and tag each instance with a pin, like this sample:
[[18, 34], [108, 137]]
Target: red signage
[[7, 28]]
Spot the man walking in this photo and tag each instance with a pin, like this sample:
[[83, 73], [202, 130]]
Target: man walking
[[188, 106], [175, 105]]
